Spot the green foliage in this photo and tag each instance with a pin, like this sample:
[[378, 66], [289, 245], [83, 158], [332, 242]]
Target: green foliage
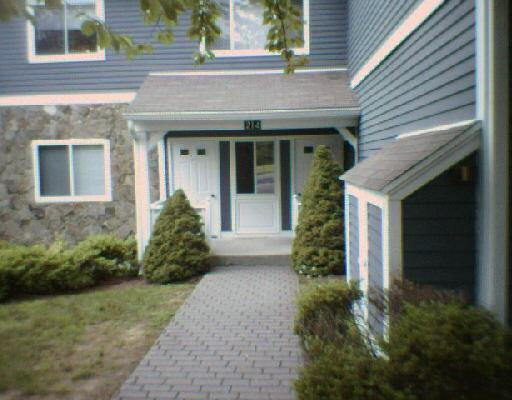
[[41, 270], [438, 348], [325, 311], [285, 20], [318, 244], [344, 372], [177, 249], [449, 351]]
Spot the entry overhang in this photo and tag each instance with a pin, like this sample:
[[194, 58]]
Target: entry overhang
[[237, 95], [412, 160]]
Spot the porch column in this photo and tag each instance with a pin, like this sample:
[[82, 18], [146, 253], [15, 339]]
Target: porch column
[[142, 200]]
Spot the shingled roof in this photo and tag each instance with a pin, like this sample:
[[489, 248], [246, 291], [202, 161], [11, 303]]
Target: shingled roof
[[174, 95], [410, 153]]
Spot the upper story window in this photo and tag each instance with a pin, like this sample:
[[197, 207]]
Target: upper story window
[[55, 34], [243, 32], [72, 170]]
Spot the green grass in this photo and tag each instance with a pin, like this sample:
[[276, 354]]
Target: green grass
[[81, 346]]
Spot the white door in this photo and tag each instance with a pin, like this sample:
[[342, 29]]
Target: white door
[[196, 171], [255, 186]]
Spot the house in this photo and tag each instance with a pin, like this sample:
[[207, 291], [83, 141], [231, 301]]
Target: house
[[414, 91], [429, 200], [93, 142]]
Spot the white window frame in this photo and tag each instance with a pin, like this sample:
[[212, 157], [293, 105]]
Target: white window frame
[[262, 52], [107, 196], [33, 58]]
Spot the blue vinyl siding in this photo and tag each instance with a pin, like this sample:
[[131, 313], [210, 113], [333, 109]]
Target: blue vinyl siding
[[428, 80], [371, 22], [439, 232], [375, 270], [328, 47], [353, 240]]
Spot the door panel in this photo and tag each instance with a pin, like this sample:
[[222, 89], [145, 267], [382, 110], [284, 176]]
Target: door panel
[[256, 197], [196, 172]]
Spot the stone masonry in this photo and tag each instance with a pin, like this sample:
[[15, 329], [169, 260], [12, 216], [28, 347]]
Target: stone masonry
[[24, 221], [232, 339]]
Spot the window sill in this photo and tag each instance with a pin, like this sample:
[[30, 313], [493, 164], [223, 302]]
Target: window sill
[[77, 57], [73, 199], [255, 53]]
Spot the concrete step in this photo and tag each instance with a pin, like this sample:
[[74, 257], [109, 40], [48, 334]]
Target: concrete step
[[252, 260]]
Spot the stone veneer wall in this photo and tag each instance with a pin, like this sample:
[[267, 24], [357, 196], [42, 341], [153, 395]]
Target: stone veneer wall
[[22, 220]]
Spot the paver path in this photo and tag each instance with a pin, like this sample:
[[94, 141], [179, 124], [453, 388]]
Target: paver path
[[232, 339]]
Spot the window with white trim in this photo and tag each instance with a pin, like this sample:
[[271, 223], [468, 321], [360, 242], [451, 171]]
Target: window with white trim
[[243, 32], [72, 170], [55, 34]]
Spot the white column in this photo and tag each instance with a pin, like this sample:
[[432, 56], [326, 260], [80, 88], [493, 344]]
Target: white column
[[493, 109], [141, 166]]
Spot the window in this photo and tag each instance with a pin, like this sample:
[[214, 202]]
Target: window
[[72, 170], [184, 152], [55, 34], [255, 167], [243, 32]]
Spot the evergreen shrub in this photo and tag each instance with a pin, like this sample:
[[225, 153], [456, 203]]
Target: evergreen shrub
[[40, 270], [318, 245], [325, 310], [177, 249]]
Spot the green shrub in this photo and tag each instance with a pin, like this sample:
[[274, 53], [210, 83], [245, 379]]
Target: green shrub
[[40, 270], [344, 373], [449, 351], [177, 249], [318, 244], [325, 310], [106, 257]]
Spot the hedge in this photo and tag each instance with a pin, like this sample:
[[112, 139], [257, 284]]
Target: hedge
[[46, 270]]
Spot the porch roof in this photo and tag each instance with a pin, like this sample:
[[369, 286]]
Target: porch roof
[[411, 160], [207, 94]]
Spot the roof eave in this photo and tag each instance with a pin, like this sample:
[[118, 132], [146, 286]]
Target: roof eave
[[348, 112]]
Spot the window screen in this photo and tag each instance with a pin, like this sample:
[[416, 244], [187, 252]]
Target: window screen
[[88, 169], [54, 171], [265, 167]]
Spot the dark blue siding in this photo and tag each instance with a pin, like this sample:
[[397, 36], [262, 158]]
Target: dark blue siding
[[328, 47], [375, 270], [439, 234], [427, 81], [353, 240]]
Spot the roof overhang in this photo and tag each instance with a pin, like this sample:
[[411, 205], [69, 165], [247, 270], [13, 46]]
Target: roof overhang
[[241, 95], [412, 160]]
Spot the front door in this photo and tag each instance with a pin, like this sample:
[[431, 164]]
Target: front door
[[256, 186], [196, 172]]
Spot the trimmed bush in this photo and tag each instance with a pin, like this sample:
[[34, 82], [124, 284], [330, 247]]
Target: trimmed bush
[[41, 270], [177, 249], [449, 351], [318, 244], [325, 310], [344, 373]]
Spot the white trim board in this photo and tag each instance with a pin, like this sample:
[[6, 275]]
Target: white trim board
[[67, 99], [417, 17], [73, 198], [224, 72]]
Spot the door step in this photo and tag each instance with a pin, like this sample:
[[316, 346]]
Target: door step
[[270, 260]]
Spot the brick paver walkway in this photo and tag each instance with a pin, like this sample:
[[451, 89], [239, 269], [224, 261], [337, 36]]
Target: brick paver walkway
[[232, 339]]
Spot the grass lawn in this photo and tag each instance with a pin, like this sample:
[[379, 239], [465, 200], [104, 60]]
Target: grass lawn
[[81, 346]]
